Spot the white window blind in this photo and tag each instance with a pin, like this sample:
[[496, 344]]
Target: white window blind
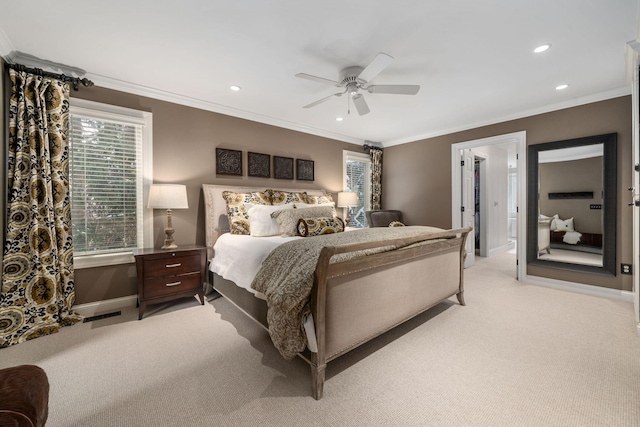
[[106, 184], [357, 171]]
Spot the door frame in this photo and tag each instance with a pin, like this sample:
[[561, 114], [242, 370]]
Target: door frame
[[520, 140]]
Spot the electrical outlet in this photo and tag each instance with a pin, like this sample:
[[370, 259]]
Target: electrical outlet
[[625, 269]]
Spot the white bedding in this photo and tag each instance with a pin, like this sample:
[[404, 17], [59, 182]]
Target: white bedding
[[238, 258]]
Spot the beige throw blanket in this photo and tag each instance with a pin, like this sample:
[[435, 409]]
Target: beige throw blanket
[[286, 278]]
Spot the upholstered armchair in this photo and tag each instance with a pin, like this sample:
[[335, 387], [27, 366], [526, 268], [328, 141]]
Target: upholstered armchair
[[24, 396], [382, 218]]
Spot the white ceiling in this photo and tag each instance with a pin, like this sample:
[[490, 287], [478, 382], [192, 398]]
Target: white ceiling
[[473, 59]]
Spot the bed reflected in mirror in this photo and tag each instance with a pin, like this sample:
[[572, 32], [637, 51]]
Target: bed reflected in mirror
[[572, 204]]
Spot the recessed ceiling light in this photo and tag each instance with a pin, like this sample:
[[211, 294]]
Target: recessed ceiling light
[[542, 48], [338, 119], [561, 87], [235, 88]]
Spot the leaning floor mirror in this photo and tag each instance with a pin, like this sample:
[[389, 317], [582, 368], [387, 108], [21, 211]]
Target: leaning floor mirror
[[571, 204]]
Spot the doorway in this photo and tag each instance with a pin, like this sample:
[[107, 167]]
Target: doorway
[[498, 200]]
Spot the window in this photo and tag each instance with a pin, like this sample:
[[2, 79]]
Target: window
[[110, 168], [357, 178]]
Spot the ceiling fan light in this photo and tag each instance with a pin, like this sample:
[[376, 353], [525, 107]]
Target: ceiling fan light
[[542, 48]]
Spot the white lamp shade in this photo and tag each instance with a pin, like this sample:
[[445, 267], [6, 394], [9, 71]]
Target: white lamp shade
[[347, 198], [168, 196]]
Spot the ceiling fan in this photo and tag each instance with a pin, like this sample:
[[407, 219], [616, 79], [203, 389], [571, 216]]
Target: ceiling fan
[[355, 79]]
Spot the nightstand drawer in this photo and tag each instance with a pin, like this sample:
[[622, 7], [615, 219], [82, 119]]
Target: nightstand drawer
[[172, 266], [160, 286]]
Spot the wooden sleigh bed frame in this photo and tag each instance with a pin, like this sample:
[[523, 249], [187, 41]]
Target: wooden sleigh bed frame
[[355, 301]]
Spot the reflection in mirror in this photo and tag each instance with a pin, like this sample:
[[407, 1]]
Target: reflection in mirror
[[571, 187], [572, 204]]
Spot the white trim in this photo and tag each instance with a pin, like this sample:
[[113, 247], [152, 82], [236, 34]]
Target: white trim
[[520, 139], [581, 288], [504, 248], [130, 116], [101, 260], [616, 93], [105, 306], [201, 104]]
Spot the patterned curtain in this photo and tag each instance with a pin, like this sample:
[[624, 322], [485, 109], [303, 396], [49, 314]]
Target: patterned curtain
[[376, 176], [37, 290]]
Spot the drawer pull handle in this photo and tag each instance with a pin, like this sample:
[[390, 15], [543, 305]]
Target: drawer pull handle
[[173, 265], [173, 284]]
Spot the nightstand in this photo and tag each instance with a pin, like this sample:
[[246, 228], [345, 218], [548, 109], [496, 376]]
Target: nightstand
[[165, 275]]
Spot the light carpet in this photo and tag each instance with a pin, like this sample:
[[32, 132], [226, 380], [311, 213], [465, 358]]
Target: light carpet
[[516, 355]]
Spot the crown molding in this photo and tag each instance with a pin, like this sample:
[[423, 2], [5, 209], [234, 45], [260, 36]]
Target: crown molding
[[161, 95], [603, 96]]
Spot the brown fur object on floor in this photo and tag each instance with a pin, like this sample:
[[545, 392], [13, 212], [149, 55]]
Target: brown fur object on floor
[[24, 396]]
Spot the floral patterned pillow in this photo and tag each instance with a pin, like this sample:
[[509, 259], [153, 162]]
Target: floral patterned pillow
[[318, 200], [288, 218], [278, 197], [237, 209], [309, 227]]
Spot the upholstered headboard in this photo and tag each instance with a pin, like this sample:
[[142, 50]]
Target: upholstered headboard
[[216, 221]]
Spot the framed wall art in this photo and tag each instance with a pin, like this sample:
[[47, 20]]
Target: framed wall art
[[304, 170], [228, 162], [259, 165], [282, 167]]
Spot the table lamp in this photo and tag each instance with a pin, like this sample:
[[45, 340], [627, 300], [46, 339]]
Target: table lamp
[[168, 196], [346, 199]]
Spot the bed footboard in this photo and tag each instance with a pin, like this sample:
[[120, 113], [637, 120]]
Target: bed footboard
[[355, 301]]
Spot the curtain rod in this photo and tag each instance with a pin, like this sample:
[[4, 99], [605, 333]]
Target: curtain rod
[[75, 81]]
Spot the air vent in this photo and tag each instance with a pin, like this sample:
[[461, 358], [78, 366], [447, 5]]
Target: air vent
[[101, 316]]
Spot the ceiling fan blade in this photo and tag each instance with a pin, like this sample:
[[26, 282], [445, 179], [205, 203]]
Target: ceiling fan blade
[[379, 63], [320, 101], [318, 79], [394, 89], [361, 104]]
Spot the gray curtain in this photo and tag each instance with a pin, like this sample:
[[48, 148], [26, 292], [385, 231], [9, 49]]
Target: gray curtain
[[37, 290]]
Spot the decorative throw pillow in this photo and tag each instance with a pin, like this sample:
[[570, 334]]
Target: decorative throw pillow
[[553, 226], [279, 197], [262, 225], [307, 205], [288, 218], [237, 209], [318, 200], [564, 224], [396, 224], [308, 227]]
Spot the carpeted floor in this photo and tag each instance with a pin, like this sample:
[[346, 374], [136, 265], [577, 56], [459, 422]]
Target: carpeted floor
[[516, 355]]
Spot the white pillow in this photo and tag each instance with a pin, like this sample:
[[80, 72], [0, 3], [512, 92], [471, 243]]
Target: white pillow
[[553, 226], [261, 223], [564, 224]]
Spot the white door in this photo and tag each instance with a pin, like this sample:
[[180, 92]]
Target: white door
[[468, 204]]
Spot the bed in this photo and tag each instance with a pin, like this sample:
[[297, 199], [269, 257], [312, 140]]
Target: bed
[[357, 291]]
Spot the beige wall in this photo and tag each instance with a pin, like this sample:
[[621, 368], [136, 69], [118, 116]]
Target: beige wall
[[417, 176], [184, 143]]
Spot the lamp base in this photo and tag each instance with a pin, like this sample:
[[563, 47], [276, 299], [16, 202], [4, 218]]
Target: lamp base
[[168, 231]]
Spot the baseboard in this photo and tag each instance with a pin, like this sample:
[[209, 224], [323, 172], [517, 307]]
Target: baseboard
[[105, 306], [503, 248], [580, 288]]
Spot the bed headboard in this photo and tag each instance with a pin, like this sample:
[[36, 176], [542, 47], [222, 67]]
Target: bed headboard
[[216, 221]]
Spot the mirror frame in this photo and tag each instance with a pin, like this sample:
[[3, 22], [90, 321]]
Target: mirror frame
[[609, 205]]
